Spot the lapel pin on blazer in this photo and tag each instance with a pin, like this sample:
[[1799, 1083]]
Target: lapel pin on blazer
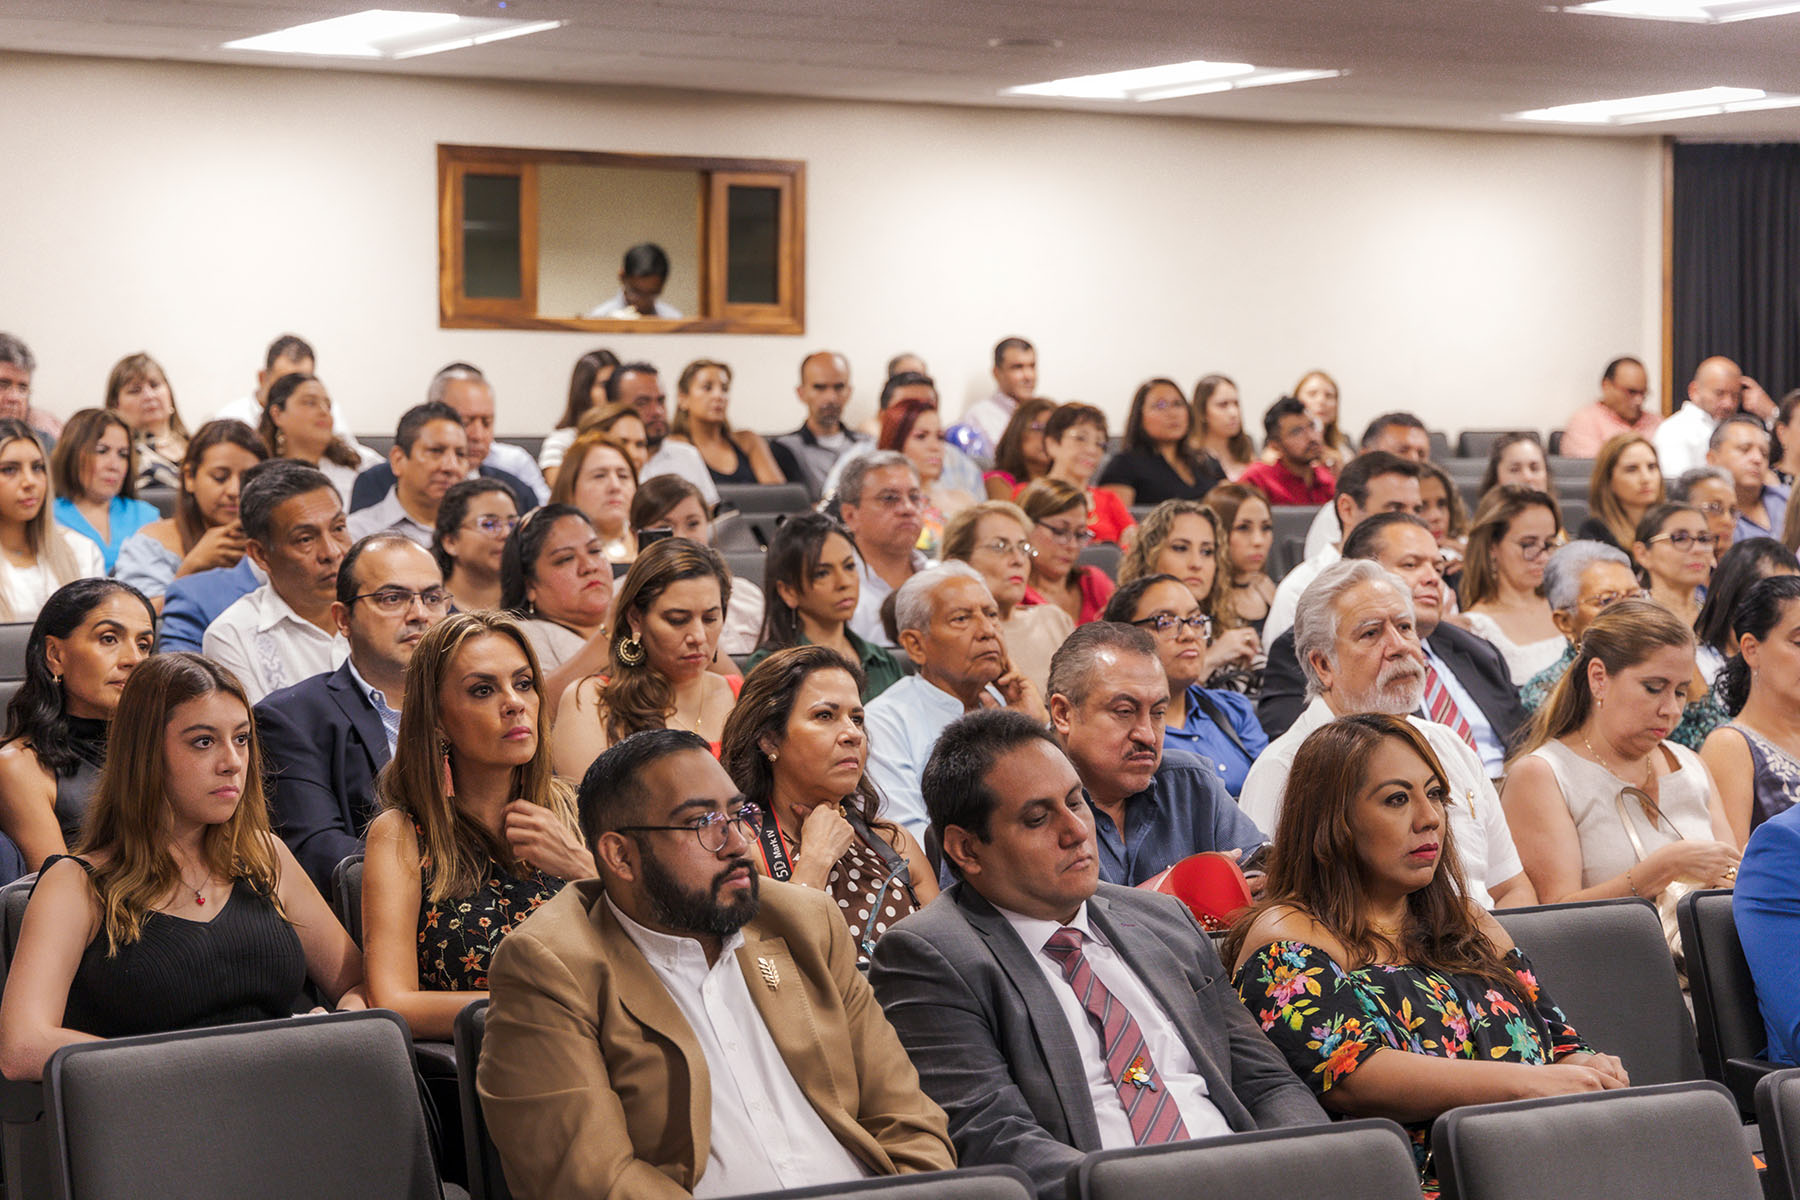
[[770, 975]]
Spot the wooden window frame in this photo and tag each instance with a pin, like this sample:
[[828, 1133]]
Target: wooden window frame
[[456, 310]]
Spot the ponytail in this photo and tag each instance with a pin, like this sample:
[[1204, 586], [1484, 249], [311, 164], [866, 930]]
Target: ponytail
[[1732, 687]]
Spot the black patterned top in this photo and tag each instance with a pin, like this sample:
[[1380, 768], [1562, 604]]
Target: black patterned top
[[459, 934]]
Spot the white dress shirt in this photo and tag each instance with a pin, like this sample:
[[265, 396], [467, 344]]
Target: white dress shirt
[[865, 622], [555, 446], [1287, 592], [1187, 1087], [1484, 842], [389, 516], [676, 457], [1324, 531], [903, 724], [268, 645], [517, 462], [766, 1135], [1681, 440]]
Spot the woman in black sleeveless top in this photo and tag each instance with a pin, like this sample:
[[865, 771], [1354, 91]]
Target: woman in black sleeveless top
[[181, 908]]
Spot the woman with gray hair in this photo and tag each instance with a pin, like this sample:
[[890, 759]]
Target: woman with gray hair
[[1712, 491], [1580, 579]]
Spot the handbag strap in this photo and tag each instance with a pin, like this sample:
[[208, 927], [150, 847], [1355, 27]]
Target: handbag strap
[[1219, 718]]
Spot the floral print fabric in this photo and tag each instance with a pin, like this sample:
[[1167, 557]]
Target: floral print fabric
[[1327, 1021], [458, 935]]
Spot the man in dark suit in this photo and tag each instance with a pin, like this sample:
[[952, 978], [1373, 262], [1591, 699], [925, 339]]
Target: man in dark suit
[[1050, 1014], [1469, 664], [326, 738]]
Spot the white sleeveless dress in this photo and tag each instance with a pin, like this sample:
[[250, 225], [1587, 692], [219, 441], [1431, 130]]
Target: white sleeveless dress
[[1589, 790]]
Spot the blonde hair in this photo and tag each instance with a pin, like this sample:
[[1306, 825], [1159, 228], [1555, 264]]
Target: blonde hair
[[458, 851], [1153, 533], [125, 821], [569, 474], [681, 425], [45, 537]]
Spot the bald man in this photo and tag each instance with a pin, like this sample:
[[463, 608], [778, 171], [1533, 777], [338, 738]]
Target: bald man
[[809, 453], [1713, 394]]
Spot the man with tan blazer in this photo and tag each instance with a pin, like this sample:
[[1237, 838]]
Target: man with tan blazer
[[679, 1027]]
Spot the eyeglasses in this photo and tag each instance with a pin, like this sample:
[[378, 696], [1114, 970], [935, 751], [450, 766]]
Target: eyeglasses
[[494, 526], [711, 829], [1067, 536], [1004, 547], [912, 499], [1535, 548], [1681, 539], [1200, 623], [391, 601], [1163, 406], [1713, 508], [1608, 599]]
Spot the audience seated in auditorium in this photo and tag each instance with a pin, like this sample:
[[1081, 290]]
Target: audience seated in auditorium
[[812, 575], [94, 468], [1020, 459], [429, 455], [87, 639], [1158, 460], [672, 503], [1755, 760], [1713, 491], [678, 976], [1400, 434], [286, 355], [180, 909], [1513, 534], [598, 477], [638, 385], [1412, 1000], [555, 579], [193, 602], [808, 454], [1624, 387], [992, 537], [1581, 580], [1714, 393], [958, 473], [1059, 533], [1219, 425], [670, 610], [1466, 677], [796, 748], [1627, 482], [1075, 440], [297, 424], [1740, 568], [1600, 802], [625, 426], [1000, 988], [1441, 508], [882, 505], [1740, 444], [1675, 554], [1357, 640], [470, 396], [1766, 909], [702, 400], [475, 832], [587, 392], [40, 555], [1369, 483], [1015, 382], [326, 738], [1217, 724], [950, 627], [1185, 538], [204, 534], [17, 365], [1152, 806], [1517, 458], [138, 390], [283, 631], [1318, 392], [910, 427], [469, 542], [1249, 534]]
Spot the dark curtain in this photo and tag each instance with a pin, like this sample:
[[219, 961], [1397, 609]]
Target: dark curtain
[[1737, 261]]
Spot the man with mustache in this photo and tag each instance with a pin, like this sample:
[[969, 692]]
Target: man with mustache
[[1357, 639], [1152, 807], [325, 739], [1052, 1014], [679, 1027], [809, 453]]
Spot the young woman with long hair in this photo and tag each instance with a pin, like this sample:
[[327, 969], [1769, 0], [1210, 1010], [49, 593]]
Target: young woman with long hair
[[911, 426], [671, 502], [1184, 538], [179, 908], [1627, 482], [37, 555], [1020, 457], [204, 533], [1249, 528], [469, 541], [702, 398], [587, 391], [1319, 393], [1513, 535], [1518, 459], [1158, 460], [138, 390], [297, 424], [1219, 425]]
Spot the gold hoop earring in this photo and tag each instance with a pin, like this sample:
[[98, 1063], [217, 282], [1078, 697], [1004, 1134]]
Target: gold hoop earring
[[631, 652]]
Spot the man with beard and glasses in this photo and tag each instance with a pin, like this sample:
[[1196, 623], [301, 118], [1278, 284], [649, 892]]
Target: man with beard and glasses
[[1152, 807], [677, 1027], [1358, 643]]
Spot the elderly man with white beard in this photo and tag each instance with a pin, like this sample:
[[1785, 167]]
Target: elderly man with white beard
[[1359, 650]]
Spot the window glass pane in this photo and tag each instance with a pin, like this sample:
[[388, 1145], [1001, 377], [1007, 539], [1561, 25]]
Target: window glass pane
[[753, 247], [491, 235]]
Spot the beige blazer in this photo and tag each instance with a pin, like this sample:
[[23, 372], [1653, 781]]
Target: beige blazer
[[592, 1082]]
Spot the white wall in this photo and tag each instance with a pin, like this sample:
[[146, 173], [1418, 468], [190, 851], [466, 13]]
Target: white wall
[[196, 211]]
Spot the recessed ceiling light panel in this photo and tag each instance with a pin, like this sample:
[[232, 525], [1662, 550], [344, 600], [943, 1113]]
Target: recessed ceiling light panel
[[1144, 84], [1697, 12], [1666, 106], [387, 34]]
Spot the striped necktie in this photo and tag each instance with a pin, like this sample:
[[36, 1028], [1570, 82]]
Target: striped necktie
[[1442, 708], [1153, 1115]]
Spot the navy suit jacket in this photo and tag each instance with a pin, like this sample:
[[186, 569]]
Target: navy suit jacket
[[323, 745], [192, 602], [375, 482], [980, 1022]]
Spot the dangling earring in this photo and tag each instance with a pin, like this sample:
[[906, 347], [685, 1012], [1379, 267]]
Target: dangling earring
[[280, 444], [449, 779], [631, 651]]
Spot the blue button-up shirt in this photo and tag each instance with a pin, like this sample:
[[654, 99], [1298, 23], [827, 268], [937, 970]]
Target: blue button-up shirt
[[1201, 735], [1184, 811]]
